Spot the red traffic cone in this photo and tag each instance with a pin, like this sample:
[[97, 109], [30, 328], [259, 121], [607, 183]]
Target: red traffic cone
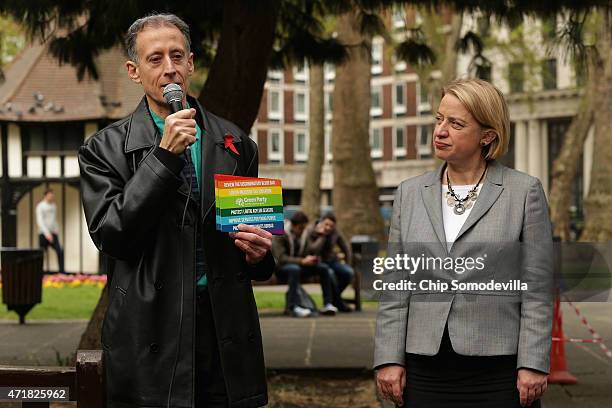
[[559, 373]]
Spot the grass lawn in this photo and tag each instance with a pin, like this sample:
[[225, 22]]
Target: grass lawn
[[79, 303], [61, 303]]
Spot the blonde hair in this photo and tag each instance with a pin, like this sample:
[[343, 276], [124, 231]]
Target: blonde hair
[[487, 105]]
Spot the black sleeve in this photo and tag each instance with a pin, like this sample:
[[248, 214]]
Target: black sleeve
[[119, 212]]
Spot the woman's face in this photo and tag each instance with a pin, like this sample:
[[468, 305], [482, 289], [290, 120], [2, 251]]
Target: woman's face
[[457, 134]]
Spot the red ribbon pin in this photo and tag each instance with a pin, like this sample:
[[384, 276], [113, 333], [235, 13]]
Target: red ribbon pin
[[229, 143]]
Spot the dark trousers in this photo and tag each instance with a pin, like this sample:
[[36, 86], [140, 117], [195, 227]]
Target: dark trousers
[[210, 391], [44, 244], [342, 276], [293, 272]]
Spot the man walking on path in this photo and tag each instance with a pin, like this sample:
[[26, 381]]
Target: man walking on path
[[46, 218]]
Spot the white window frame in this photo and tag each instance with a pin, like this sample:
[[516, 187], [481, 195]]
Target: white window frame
[[377, 56], [327, 105], [421, 106], [376, 111], [300, 156], [376, 153], [275, 115], [300, 116], [425, 149], [328, 148], [301, 75], [399, 109], [329, 72], [275, 156], [401, 151], [399, 66], [275, 75], [253, 134], [399, 18]]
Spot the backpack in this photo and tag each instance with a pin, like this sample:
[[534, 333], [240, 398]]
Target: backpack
[[303, 300]]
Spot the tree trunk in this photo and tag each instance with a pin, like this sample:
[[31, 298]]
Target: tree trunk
[[311, 194], [91, 339], [598, 204], [355, 194], [444, 44], [234, 85], [566, 164]]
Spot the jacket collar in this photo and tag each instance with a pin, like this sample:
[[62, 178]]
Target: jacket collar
[[142, 132], [431, 192]]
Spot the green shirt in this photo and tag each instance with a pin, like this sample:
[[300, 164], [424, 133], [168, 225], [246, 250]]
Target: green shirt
[[195, 149]]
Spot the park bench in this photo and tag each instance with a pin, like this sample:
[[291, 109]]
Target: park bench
[[364, 248], [85, 381], [22, 275]]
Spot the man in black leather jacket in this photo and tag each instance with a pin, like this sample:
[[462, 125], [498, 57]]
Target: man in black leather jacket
[[182, 328]]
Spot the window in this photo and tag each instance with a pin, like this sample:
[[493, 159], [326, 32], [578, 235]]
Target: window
[[253, 134], [399, 66], [274, 105], [549, 28], [300, 146], [275, 75], [423, 98], [300, 110], [328, 141], [484, 72], [399, 145], [399, 22], [376, 101], [549, 74], [54, 137], [483, 24], [377, 56], [275, 151], [516, 76], [329, 104], [376, 151], [330, 72], [424, 147], [300, 73], [399, 99]]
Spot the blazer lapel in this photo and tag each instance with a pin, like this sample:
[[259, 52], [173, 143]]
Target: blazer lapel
[[490, 191], [431, 192]]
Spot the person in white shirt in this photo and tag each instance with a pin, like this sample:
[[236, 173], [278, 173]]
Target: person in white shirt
[[46, 212]]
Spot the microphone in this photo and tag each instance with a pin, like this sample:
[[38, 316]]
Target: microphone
[[173, 94]]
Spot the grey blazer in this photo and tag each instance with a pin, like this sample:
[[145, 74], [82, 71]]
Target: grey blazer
[[509, 227]]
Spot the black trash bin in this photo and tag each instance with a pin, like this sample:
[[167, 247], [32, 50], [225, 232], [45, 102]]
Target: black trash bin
[[22, 275], [365, 249]]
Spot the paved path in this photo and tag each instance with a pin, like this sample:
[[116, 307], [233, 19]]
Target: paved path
[[344, 341]]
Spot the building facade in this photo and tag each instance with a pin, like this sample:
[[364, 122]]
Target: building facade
[[46, 114], [542, 100]]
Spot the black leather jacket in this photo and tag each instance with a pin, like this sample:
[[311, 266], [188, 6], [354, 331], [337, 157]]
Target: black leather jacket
[[134, 199]]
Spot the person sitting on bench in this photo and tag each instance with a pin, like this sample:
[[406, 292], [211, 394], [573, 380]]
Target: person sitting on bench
[[321, 241], [292, 264]]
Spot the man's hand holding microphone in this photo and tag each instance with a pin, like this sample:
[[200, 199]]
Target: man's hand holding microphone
[[180, 125]]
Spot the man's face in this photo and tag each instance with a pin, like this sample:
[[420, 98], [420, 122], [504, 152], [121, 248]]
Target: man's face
[[328, 226], [162, 59], [298, 229], [49, 197]]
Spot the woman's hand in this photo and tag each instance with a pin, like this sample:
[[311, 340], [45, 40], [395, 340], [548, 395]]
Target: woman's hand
[[531, 385], [390, 381]]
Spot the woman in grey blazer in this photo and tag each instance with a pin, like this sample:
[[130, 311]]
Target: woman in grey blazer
[[467, 333]]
